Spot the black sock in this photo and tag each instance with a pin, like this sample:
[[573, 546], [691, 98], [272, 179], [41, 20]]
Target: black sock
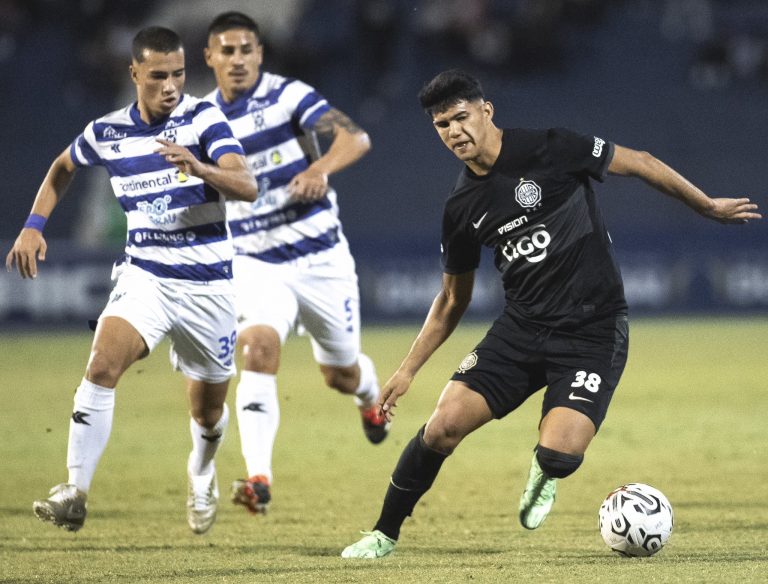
[[414, 474]]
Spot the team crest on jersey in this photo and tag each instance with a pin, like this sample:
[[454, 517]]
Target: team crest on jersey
[[468, 362], [169, 134], [527, 193], [256, 107]]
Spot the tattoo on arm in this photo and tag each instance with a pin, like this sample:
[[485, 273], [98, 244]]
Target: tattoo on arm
[[326, 125]]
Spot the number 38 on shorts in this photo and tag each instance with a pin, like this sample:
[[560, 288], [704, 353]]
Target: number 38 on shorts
[[589, 381]]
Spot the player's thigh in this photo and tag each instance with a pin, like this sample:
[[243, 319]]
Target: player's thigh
[[203, 339], [264, 295], [459, 412], [584, 370], [329, 309], [142, 303], [502, 369]]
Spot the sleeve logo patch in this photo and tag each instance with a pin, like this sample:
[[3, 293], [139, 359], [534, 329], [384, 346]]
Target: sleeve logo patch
[[597, 150]]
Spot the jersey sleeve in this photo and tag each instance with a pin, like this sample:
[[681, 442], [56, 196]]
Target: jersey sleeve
[[216, 137], [459, 251], [83, 149], [580, 154], [309, 104]]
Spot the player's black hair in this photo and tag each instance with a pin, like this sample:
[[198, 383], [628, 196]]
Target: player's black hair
[[447, 89], [232, 19], [155, 38]]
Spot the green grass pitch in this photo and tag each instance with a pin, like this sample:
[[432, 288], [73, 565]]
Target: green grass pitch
[[688, 418]]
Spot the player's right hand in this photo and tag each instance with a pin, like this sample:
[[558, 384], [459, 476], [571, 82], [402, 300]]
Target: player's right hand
[[396, 386], [29, 248]]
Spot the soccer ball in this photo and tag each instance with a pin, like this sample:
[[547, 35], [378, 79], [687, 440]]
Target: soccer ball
[[636, 520]]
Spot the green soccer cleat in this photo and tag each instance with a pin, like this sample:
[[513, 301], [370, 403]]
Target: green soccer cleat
[[538, 497], [66, 507], [373, 545]]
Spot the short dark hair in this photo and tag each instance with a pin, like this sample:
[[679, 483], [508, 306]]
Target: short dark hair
[[232, 19], [447, 89], [155, 38]]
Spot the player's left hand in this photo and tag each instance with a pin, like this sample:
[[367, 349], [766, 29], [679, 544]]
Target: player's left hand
[[733, 210], [309, 185], [180, 157]]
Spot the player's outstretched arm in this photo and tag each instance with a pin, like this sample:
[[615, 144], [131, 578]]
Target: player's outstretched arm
[[349, 143], [30, 245], [229, 176], [446, 312], [628, 162]]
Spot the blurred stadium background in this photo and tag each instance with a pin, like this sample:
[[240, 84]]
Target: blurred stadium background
[[684, 79]]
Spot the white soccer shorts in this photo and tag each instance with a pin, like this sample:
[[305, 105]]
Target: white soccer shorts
[[201, 327], [322, 298]]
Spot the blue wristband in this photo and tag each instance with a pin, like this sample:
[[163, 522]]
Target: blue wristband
[[35, 221]]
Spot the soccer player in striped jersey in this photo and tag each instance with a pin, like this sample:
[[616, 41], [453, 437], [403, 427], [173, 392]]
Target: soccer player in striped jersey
[[172, 160], [293, 266]]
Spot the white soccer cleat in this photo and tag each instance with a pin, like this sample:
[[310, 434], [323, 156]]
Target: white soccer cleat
[[66, 507], [202, 501]]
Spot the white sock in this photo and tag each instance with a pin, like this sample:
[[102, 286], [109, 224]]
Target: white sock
[[89, 431], [205, 443], [258, 416], [367, 393]]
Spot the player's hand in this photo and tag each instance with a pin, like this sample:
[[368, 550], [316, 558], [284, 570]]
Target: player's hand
[[29, 248], [181, 158], [309, 185], [733, 210], [397, 385]]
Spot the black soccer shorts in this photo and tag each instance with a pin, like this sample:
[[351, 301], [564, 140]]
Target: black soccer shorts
[[580, 366]]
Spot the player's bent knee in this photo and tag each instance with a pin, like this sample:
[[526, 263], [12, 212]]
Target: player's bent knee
[[557, 464], [442, 435]]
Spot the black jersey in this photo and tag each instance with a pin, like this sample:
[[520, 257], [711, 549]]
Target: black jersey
[[536, 209]]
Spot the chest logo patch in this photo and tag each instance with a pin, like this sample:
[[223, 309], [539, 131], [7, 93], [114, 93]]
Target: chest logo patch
[[527, 193]]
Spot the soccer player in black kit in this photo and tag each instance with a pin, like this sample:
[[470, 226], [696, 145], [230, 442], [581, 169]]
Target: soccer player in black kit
[[527, 195]]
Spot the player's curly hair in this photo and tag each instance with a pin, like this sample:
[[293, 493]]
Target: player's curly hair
[[155, 38], [233, 19], [449, 88]]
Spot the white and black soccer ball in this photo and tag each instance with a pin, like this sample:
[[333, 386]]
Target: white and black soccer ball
[[636, 520]]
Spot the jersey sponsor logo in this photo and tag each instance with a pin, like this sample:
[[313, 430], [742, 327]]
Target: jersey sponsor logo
[[527, 193], [476, 224], [597, 150], [163, 237], [173, 124], [514, 224], [134, 185], [532, 246], [110, 132], [276, 157], [157, 209], [468, 362]]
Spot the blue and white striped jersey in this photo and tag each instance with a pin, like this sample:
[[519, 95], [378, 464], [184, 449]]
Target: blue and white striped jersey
[[270, 121], [177, 229]]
